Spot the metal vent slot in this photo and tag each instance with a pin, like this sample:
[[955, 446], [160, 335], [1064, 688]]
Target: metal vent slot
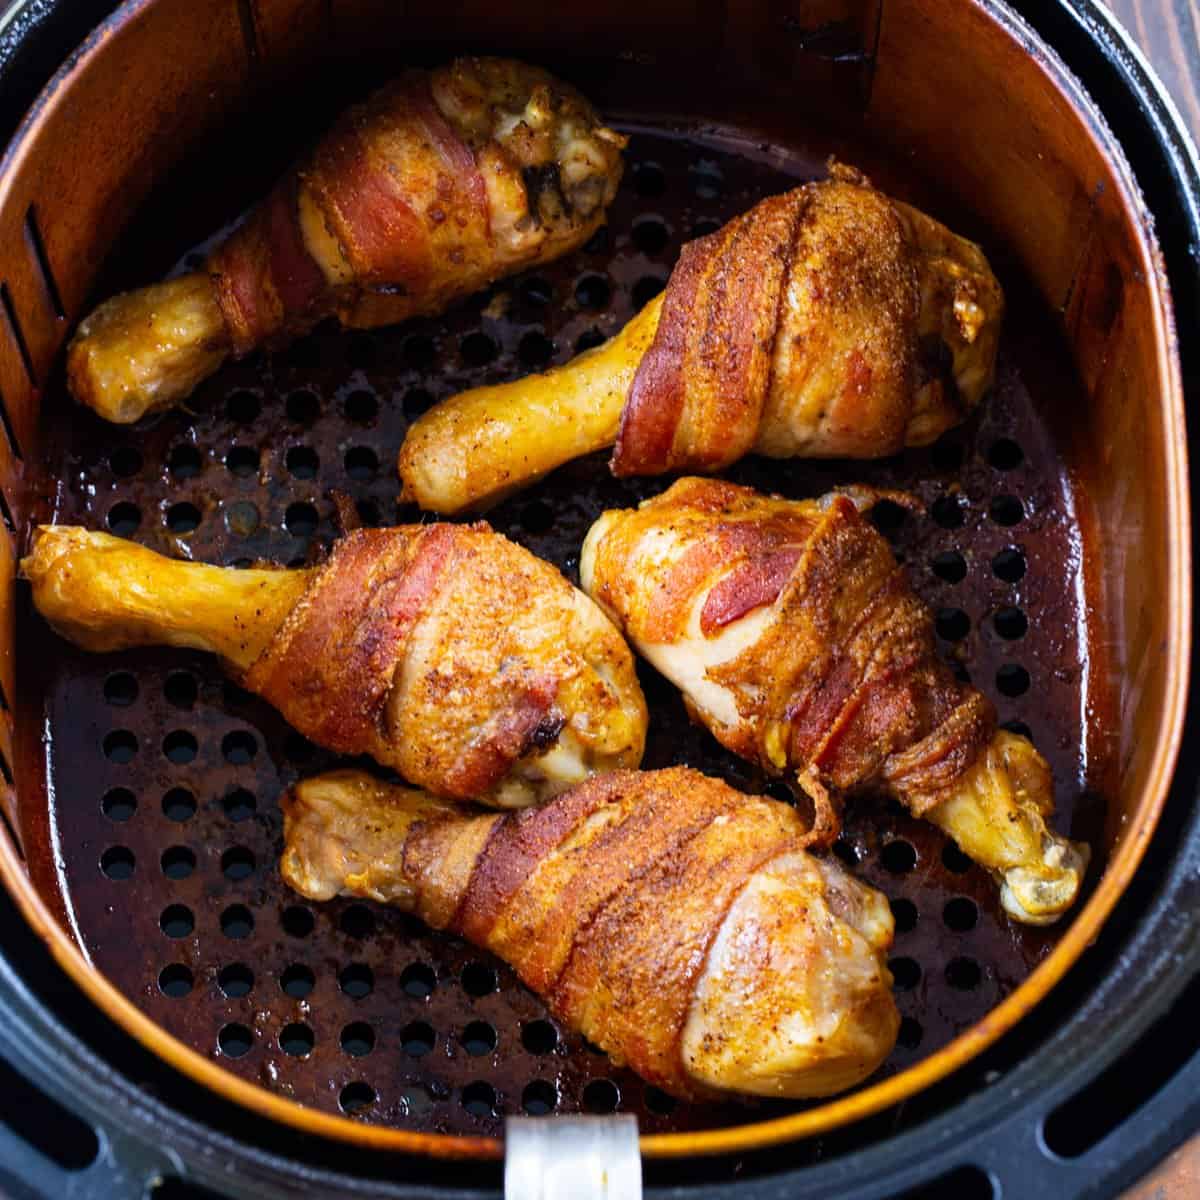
[[18, 334], [37, 246]]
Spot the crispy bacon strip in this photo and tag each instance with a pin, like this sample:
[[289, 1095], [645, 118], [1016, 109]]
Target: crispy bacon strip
[[678, 924], [799, 642]]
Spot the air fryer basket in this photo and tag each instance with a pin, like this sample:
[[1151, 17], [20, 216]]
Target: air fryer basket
[[146, 812]]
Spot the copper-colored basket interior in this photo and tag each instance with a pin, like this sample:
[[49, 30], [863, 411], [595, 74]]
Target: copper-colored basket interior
[[140, 789]]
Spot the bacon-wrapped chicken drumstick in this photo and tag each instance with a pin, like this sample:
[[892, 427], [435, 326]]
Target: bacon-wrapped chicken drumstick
[[445, 651], [677, 923], [440, 183], [830, 321], [796, 638]]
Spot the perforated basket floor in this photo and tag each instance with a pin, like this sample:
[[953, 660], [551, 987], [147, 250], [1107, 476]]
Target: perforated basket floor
[[163, 821]]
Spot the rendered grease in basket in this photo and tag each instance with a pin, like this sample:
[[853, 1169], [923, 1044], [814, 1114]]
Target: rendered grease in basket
[[796, 638], [827, 322], [677, 923], [444, 651], [439, 184]]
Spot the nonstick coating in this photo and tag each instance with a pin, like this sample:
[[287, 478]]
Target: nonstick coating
[[164, 776]]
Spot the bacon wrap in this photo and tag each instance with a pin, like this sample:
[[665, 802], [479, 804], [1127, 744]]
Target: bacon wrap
[[698, 395], [397, 189], [583, 925]]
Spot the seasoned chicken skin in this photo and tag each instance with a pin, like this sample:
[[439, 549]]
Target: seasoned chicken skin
[[678, 924], [440, 183], [830, 321], [796, 638], [445, 651]]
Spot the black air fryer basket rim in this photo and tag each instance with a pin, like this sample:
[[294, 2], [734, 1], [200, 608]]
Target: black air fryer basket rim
[[1148, 953]]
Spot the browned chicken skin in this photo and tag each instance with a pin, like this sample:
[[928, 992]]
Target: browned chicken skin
[[440, 183], [678, 924], [445, 651], [796, 638], [830, 321]]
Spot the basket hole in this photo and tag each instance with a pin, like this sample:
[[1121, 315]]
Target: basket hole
[[887, 516], [124, 518], [418, 980], [417, 1039], [303, 407], [478, 979], [180, 747], [963, 1183], [601, 1096], [589, 339], [176, 921], [479, 1099], [536, 292], [356, 1097], [846, 852], [706, 180], [954, 860], [646, 289], [184, 462], [237, 922], [361, 351], [650, 235], [1012, 680], [478, 349], [357, 921], [357, 981], [535, 349], [297, 981], [1010, 623], [235, 980], [952, 624], [948, 512], [242, 461], [172, 1187], [1019, 728], [906, 973], [905, 914], [963, 974], [181, 689], [301, 519], [125, 462], [417, 402], [1005, 455], [183, 517], [478, 1038], [419, 351], [950, 566], [302, 462], [243, 407], [361, 407], [239, 747], [539, 1037], [658, 1101], [947, 454], [120, 746], [1009, 565], [599, 241], [297, 1040], [911, 1033], [297, 921], [178, 862], [175, 980], [358, 1039], [237, 863], [179, 805], [234, 1040], [120, 689], [117, 862], [899, 857], [649, 179], [239, 805], [361, 463], [1006, 510], [539, 1098], [593, 291], [118, 804], [960, 914]]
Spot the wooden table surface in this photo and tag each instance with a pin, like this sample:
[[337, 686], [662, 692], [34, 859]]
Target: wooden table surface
[[1168, 32]]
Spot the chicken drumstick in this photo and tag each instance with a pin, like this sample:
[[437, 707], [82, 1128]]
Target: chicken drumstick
[[445, 651], [830, 321], [677, 923], [797, 640], [440, 183]]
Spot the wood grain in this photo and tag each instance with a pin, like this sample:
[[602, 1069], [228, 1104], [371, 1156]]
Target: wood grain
[[1168, 31]]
